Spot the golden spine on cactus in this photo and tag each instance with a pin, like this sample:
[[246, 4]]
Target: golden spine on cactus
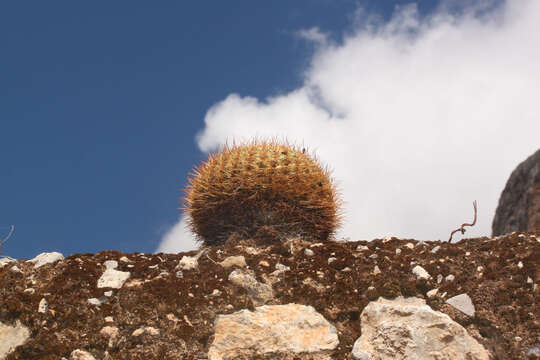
[[242, 188]]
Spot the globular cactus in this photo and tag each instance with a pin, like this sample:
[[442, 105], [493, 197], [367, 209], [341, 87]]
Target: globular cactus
[[262, 184]]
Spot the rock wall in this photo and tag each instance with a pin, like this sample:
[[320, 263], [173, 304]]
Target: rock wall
[[519, 204], [384, 299]]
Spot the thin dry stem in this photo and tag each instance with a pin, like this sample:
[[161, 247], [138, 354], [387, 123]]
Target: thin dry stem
[[462, 227]]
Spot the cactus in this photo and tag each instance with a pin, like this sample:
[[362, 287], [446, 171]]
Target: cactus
[[261, 185]]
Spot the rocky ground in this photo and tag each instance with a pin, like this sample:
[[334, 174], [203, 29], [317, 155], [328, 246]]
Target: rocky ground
[[114, 305]]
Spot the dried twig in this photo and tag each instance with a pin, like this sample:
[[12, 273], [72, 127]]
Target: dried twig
[[2, 241], [462, 228]]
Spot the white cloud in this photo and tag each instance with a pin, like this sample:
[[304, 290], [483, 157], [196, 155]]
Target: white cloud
[[178, 239], [314, 35], [417, 116]]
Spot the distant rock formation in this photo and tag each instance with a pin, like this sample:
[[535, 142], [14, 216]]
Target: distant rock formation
[[519, 204]]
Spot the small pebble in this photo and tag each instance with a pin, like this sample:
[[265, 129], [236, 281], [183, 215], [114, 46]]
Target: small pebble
[[432, 293], [420, 273]]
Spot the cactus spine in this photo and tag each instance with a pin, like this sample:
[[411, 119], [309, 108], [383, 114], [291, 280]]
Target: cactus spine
[[242, 188]]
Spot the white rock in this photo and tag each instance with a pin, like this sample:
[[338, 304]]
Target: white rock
[[463, 303], [450, 278], [81, 355], [190, 262], [234, 261], [109, 319], [435, 249], [124, 259], [407, 329], [398, 251], [258, 293], [15, 269], [376, 270], [361, 248], [5, 260], [439, 278], [529, 280], [97, 302], [410, 245], [309, 252], [110, 331], [271, 329], [282, 267], [113, 279], [46, 258], [111, 264], [431, 293], [43, 306], [11, 337], [331, 260], [146, 329], [420, 273], [520, 265]]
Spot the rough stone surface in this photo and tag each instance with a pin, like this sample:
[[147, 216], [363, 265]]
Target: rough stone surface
[[4, 260], [11, 337], [463, 303], [46, 258], [231, 261], [259, 293], [271, 329], [519, 204], [420, 273], [81, 355], [184, 307], [113, 279], [407, 329]]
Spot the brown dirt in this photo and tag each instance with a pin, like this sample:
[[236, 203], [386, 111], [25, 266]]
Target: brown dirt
[[507, 319]]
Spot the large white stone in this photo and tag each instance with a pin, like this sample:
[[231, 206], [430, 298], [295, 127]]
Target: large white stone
[[11, 337], [46, 258], [271, 329], [407, 329], [113, 279]]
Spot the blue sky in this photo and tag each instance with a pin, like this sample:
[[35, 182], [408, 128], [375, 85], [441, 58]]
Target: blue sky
[[106, 107]]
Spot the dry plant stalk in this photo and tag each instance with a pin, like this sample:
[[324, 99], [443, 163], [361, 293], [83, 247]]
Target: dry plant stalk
[[462, 227]]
